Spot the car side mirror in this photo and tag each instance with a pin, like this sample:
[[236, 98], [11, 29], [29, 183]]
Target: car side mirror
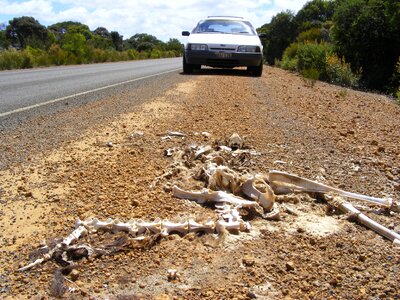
[[185, 33], [262, 36]]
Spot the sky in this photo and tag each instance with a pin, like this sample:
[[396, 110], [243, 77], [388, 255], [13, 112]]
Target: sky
[[161, 18]]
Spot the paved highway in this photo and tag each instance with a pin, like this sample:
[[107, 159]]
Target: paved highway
[[25, 90]]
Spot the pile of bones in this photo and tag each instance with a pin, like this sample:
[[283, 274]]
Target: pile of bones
[[231, 193]]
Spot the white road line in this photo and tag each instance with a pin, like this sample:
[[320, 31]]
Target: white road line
[[81, 94]]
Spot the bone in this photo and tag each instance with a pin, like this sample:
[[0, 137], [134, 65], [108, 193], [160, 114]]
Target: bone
[[347, 207], [150, 227], [282, 179], [202, 151], [207, 195], [225, 179], [266, 197], [176, 133], [232, 226], [207, 227], [169, 227], [235, 141], [74, 236]]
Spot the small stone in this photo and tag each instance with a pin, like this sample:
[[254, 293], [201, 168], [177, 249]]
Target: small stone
[[162, 297], [142, 285], [289, 266], [74, 275], [248, 261]]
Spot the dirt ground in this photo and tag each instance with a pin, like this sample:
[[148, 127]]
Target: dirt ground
[[344, 138]]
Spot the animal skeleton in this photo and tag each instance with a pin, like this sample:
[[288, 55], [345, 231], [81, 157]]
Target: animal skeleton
[[224, 189]]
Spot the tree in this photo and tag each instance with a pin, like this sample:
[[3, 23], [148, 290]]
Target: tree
[[26, 31], [74, 43], [103, 32], [117, 40], [281, 32], [314, 14], [143, 41], [367, 33], [4, 42], [61, 28], [174, 45]]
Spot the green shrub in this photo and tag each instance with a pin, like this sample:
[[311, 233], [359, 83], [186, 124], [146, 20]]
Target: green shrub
[[310, 76], [57, 56], [313, 56], [289, 63], [339, 72]]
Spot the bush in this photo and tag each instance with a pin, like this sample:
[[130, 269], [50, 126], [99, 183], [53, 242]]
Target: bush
[[339, 72], [311, 76], [313, 56], [289, 63]]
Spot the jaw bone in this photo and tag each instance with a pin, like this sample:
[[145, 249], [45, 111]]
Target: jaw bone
[[280, 180]]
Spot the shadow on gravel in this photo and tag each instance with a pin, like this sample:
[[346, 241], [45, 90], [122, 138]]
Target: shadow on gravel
[[218, 72]]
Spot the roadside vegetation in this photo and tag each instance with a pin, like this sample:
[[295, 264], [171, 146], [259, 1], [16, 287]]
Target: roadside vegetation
[[25, 43], [353, 43]]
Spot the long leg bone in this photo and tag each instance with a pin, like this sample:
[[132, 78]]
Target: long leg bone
[[347, 207], [283, 179], [266, 197]]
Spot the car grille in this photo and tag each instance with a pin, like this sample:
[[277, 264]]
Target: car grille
[[222, 49]]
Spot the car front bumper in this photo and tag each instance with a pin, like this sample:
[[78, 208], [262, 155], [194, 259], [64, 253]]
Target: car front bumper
[[223, 59]]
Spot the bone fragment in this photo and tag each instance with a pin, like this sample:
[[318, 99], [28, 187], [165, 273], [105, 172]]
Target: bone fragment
[[75, 235], [235, 141], [239, 225], [151, 227], [207, 227], [286, 180], [347, 207], [266, 197], [202, 151], [225, 179], [176, 133], [207, 195], [169, 227]]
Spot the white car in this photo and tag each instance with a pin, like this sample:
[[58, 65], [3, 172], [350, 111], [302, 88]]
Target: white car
[[223, 42]]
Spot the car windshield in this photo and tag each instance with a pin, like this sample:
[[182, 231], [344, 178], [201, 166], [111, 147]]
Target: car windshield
[[224, 26]]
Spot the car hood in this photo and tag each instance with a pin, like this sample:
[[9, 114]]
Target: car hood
[[229, 39]]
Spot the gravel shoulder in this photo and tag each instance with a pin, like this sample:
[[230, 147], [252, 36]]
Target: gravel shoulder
[[337, 136]]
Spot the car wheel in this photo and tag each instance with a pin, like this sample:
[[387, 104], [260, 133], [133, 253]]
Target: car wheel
[[187, 68], [257, 70]]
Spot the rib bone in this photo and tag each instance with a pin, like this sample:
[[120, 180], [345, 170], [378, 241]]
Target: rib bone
[[283, 179]]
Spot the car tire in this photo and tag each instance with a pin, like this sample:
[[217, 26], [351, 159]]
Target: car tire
[[187, 68], [257, 70]]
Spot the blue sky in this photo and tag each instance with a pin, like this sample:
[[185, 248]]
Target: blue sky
[[164, 19]]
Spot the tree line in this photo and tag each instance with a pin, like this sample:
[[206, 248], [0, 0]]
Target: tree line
[[347, 42], [25, 43]]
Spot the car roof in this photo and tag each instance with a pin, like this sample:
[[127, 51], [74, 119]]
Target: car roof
[[225, 18]]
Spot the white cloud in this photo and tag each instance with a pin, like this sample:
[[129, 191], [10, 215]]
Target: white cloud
[[161, 18]]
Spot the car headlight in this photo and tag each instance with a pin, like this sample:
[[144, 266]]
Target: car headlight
[[248, 49], [198, 47]]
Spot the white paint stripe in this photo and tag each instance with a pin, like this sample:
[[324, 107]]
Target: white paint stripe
[[81, 94]]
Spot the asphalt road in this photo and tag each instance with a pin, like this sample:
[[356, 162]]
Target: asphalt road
[[24, 90]]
